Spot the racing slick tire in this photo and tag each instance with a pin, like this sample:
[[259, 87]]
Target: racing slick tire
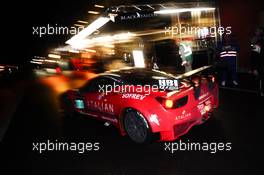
[[137, 127]]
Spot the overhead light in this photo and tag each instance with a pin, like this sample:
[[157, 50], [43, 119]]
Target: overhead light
[[54, 56], [109, 45], [150, 7], [162, 6], [93, 12], [39, 60], [138, 58], [83, 22], [78, 25], [90, 50], [180, 10], [107, 39], [73, 51], [51, 61], [99, 6], [77, 39], [92, 27], [62, 49], [137, 8], [123, 36], [36, 62]]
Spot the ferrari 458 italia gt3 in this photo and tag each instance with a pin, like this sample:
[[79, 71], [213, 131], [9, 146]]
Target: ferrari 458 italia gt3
[[143, 103]]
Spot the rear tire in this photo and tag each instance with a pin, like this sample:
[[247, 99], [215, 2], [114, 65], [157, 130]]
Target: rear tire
[[137, 127]]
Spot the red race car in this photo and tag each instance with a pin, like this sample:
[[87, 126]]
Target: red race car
[[145, 103]]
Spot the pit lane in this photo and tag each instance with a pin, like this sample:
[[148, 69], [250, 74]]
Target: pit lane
[[37, 118]]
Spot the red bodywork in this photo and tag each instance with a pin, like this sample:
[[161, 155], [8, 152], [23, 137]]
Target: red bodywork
[[169, 123]]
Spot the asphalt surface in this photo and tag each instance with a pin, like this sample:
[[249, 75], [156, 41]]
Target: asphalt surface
[[37, 118]]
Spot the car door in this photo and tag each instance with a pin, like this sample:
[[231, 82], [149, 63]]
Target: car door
[[90, 93], [98, 102], [113, 100]]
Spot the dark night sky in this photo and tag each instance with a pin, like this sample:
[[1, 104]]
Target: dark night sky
[[18, 23]]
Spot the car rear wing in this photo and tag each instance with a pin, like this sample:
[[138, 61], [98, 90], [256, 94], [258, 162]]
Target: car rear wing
[[193, 72], [194, 77], [197, 74]]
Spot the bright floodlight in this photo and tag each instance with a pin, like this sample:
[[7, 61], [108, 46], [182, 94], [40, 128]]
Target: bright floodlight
[[88, 30], [180, 10], [138, 58], [54, 56]]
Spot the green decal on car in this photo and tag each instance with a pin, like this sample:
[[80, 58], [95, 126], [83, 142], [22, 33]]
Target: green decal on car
[[79, 104]]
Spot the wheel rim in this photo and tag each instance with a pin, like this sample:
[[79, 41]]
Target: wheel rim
[[135, 127]]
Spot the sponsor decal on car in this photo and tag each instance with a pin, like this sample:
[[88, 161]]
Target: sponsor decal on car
[[100, 106], [154, 118], [201, 108], [79, 104], [183, 115], [169, 84], [134, 96], [204, 95]]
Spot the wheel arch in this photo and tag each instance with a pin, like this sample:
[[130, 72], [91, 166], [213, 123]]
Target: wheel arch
[[123, 113]]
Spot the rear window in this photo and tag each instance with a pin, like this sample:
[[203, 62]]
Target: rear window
[[147, 78]]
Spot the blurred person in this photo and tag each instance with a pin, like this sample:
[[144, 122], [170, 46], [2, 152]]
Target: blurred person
[[260, 61], [185, 52], [154, 63], [260, 70], [228, 57], [211, 51], [255, 50]]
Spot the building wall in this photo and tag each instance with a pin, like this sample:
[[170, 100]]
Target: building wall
[[244, 17]]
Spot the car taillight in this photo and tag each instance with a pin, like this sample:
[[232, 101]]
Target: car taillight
[[207, 108], [213, 79], [168, 103], [172, 104]]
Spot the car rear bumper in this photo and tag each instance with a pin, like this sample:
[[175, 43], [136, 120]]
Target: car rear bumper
[[195, 116]]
